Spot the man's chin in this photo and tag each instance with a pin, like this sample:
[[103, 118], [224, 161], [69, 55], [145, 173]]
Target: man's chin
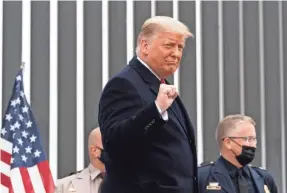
[[169, 72], [172, 69]]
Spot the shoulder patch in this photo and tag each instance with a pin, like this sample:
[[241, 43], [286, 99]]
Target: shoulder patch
[[206, 163]]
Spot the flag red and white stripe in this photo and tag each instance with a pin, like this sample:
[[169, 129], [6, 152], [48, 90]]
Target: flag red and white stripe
[[36, 179]]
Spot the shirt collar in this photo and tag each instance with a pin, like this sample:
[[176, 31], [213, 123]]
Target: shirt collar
[[94, 172], [232, 169], [147, 66]]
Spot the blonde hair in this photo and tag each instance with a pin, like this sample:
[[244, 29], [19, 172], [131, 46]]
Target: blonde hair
[[229, 123], [157, 24]]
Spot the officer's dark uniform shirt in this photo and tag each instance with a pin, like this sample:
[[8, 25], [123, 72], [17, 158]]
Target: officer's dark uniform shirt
[[234, 172], [220, 177]]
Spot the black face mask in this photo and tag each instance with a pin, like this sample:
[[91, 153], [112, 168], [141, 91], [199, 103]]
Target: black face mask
[[247, 155], [102, 157]]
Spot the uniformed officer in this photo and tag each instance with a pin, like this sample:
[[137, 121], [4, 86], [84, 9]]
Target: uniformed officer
[[230, 173], [89, 179]]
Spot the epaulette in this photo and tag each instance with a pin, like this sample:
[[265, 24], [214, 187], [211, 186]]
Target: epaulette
[[256, 167], [206, 163]]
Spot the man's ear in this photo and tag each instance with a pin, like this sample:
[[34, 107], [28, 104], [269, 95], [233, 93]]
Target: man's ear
[[226, 143], [94, 151], [144, 46]]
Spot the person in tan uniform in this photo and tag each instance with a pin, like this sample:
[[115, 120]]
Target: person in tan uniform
[[89, 179]]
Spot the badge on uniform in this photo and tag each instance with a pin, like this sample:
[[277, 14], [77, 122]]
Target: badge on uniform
[[266, 189], [213, 186], [72, 189]]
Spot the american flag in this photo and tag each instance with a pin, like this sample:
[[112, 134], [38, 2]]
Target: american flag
[[24, 166]]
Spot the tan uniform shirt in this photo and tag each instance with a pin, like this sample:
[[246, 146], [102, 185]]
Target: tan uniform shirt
[[86, 181]]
